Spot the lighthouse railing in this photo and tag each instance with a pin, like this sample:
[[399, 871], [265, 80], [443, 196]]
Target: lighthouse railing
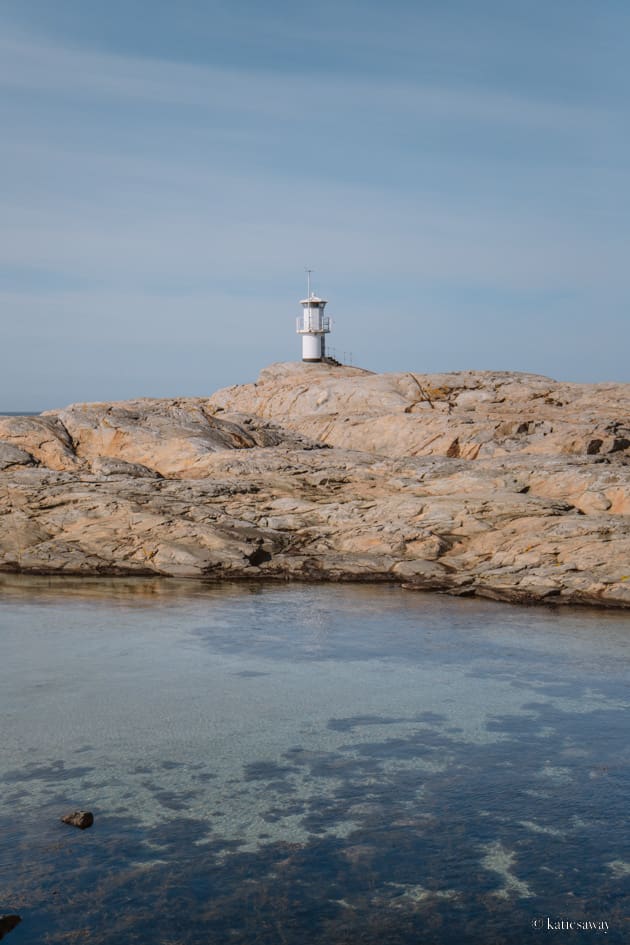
[[313, 321]]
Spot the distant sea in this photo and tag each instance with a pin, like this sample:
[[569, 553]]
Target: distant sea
[[20, 413]]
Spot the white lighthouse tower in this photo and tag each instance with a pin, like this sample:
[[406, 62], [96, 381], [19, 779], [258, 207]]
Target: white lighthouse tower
[[313, 325]]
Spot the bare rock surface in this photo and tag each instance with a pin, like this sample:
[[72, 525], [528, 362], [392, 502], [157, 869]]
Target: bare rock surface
[[502, 485], [11, 455], [469, 414]]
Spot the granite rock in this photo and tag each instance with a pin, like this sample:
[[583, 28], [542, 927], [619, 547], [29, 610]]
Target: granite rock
[[500, 485], [11, 455]]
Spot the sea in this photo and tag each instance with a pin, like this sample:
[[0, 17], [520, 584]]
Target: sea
[[283, 764]]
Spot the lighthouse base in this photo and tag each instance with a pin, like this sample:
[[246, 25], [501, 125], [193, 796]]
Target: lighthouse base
[[312, 346], [312, 360]]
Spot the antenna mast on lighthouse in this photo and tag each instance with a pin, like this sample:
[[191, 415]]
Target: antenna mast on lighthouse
[[312, 324]]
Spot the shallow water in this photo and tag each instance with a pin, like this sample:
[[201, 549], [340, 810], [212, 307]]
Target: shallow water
[[309, 764]]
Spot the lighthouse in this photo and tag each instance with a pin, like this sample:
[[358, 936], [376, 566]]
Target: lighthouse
[[313, 325]]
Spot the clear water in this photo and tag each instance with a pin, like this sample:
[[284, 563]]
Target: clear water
[[309, 764]]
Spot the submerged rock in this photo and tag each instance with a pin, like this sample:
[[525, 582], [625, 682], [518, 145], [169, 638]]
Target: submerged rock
[[79, 818], [496, 484]]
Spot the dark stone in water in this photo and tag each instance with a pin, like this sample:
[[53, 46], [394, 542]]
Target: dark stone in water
[[80, 818], [7, 923]]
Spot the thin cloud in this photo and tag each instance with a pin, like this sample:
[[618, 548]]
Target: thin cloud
[[52, 69], [169, 207], [409, 242]]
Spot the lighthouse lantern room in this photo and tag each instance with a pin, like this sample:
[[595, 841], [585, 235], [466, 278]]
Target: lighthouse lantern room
[[313, 325]]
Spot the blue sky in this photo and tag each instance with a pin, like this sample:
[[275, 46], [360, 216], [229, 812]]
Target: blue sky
[[455, 171]]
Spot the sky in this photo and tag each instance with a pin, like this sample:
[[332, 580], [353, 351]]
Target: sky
[[455, 172]]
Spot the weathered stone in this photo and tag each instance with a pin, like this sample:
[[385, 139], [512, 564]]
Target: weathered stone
[[11, 455], [108, 466], [521, 412], [79, 818], [44, 437], [471, 483]]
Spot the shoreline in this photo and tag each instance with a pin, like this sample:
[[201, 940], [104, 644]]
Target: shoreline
[[492, 485], [548, 602]]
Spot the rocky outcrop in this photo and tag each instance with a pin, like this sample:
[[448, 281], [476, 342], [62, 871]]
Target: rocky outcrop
[[495, 484], [468, 415]]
